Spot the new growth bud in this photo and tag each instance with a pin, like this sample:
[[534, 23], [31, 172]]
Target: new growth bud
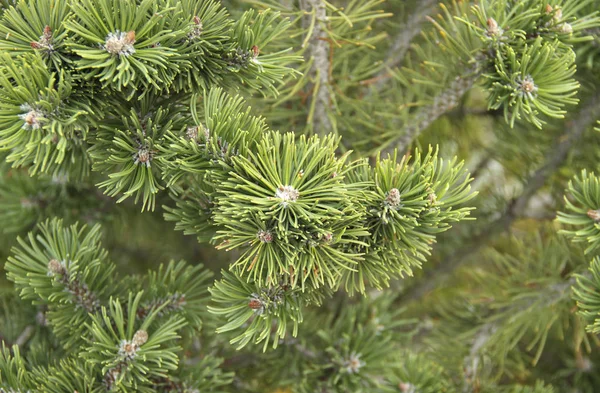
[[120, 43], [55, 267], [392, 198]]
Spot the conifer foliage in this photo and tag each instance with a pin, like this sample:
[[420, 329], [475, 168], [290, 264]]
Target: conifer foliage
[[317, 231]]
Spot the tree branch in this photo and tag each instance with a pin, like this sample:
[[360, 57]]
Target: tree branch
[[25, 335], [549, 297], [318, 51], [409, 30], [426, 115], [574, 129]]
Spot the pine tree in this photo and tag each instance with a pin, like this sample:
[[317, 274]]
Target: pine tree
[[257, 196]]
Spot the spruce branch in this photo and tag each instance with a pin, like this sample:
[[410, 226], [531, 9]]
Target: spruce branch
[[574, 129]]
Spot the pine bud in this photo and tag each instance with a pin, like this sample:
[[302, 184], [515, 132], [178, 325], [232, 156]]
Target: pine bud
[[32, 118], [493, 30], [287, 194], [328, 237], [527, 86], [353, 364], [565, 28], [127, 349], [196, 30], [192, 133], [140, 338], [47, 32], [406, 387], [256, 304], [265, 236], [393, 198], [120, 43], [594, 214], [432, 198], [56, 267], [558, 13], [45, 41], [130, 37], [143, 156]]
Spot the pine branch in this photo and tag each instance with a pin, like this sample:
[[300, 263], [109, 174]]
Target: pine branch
[[594, 32], [442, 103], [25, 335], [408, 31], [574, 129], [81, 295], [318, 52], [550, 296]]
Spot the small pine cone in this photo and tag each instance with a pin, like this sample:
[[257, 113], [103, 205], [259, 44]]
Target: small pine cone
[[140, 338]]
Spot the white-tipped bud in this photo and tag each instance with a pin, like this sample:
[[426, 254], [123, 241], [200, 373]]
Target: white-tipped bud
[[594, 214], [265, 236], [120, 43], [143, 156], [353, 364], [527, 86], [287, 194]]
